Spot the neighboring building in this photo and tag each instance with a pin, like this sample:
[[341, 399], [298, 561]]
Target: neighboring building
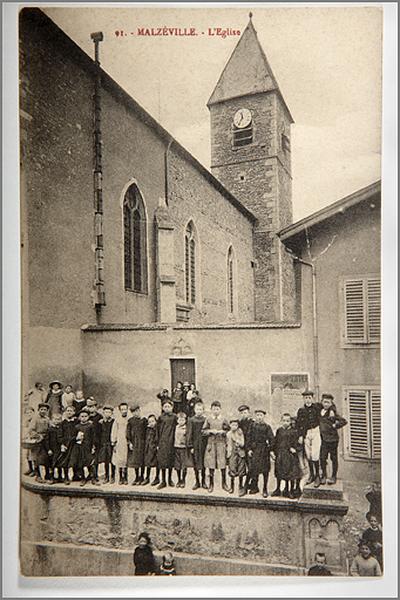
[[183, 274], [342, 241]]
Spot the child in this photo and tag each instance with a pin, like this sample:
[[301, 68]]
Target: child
[[29, 414], [373, 537], [191, 398], [163, 395], [83, 449], [53, 398], [260, 444], [68, 397], [245, 422], [235, 454], [329, 424], [104, 440], [166, 436], [94, 417], [79, 402], [185, 391], [150, 451], [287, 466], [182, 453], [364, 564], [300, 454], [143, 557], [53, 442], [167, 566], [119, 443], [215, 428], [177, 397], [308, 417], [38, 430], [135, 435], [35, 396], [197, 443], [319, 568], [68, 434]]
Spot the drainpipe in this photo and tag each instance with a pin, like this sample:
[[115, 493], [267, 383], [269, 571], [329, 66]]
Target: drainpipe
[[99, 295], [314, 314], [166, 191]]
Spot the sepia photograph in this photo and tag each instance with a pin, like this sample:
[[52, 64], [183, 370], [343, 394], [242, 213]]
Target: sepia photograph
[[200, 224]]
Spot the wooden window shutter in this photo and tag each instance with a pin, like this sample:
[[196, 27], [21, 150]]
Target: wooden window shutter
[[374, 309], [192, 271], [355, 313], [187, 269], [376, 423], [359, 429]]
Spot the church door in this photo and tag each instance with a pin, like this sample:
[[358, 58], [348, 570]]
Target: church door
[[182, 369]]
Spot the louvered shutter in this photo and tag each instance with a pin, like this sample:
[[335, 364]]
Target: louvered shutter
[[355, 313], [192, 271], [359, 431], [376, 423], [374, 309], [187, 269]]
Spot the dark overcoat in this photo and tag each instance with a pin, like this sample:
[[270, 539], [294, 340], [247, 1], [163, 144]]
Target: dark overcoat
[[287, 464], [260, 441], [196, 440], [135, 435], [54, 402], [80, 452], [150, 447], [144, 561], [104, 441], [166, 425], [245, 425], [53, 441]]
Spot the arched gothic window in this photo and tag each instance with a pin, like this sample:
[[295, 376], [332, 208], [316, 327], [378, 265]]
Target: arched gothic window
[[231, 281], [190, 264], [135, 251]]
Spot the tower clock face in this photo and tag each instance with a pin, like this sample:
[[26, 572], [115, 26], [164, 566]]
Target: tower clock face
[[242, 118]]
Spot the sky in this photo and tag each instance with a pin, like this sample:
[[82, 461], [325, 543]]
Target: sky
[[327, 62]]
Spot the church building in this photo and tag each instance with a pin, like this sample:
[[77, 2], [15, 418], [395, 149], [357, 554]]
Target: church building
[[141, 267]]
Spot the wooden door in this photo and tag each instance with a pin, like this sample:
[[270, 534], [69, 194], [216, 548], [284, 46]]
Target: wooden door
[[182, 369]]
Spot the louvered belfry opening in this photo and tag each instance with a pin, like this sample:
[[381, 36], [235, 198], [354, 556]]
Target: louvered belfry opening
[[362, 298], [230, 276], [135, 251]]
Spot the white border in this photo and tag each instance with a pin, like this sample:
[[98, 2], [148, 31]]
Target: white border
[[13, 586]]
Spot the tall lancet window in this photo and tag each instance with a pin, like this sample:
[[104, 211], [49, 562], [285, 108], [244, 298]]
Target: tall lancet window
[[231, 283], [190, 264], [135, 251]]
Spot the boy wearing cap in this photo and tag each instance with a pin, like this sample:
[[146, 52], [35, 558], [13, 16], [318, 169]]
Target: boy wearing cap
[[245, 422], [135, 436], [166, 425], [260, 444], [329, 424], [236, 455], [308, 418], [119, 443], [215, 428]]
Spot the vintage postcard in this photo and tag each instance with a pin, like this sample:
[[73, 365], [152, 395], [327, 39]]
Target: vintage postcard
[[201, 290]]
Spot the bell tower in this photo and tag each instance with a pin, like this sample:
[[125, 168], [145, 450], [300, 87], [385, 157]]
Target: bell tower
[[250, 155]]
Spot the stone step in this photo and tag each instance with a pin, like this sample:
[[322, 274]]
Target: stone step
[[324, 492]]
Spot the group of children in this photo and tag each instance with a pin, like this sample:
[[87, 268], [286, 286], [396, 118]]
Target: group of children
[[65, 434]]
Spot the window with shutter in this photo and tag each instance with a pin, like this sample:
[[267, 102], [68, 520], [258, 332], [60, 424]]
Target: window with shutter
[[374, 309], [364, 423], [190, 264], [375, 423], [362, 306], [358, 424], [230, 282]]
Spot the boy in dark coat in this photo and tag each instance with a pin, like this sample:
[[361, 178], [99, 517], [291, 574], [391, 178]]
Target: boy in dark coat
[[53, 442], [308, 418], [260, 444], [373, 537], [166, 436], [245, 422], [150, 451], [68, 434], [329, 423], [143, 557], [319, 569], [287, 465], [177, 397], [94, 417], [104, 443], [135, 435], [83, 449], [197, 442]]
